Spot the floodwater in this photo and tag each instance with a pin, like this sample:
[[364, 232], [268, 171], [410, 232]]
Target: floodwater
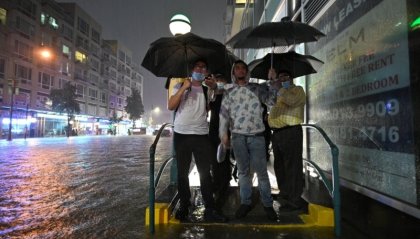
[[96, 187], [77, 187]]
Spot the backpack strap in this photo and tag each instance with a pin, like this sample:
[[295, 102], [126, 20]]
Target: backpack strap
[[205, 97]]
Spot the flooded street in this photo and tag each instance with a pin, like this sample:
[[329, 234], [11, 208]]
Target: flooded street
[[81, 187]]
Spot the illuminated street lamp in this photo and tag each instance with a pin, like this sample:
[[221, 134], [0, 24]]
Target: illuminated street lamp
[[179, 25], [155, 110]]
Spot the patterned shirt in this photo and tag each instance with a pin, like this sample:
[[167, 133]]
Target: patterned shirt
[[289, 108], [241, 108]]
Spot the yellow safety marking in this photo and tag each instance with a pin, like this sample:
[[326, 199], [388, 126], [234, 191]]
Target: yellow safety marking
[[161, 214]]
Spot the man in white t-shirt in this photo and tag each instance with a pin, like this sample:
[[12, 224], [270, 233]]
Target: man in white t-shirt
[[191, 138]]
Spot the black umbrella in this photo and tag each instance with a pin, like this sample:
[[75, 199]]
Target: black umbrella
[[174, 56], [270, 34], [297, 64]]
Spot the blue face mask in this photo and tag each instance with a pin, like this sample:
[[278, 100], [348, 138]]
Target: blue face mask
[[198, 76], [220, 85], [285, 84]]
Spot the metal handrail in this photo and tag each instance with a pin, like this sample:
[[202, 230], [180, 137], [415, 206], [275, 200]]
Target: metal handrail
[[153, 182], [334, 186]]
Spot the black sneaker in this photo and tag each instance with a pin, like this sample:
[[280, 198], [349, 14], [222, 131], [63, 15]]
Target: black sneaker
[[271, 214], [243, 211], [182, 213], [211, 215]]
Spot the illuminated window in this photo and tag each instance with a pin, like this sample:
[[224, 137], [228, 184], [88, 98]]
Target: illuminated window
[[66, 50], [80, 57], [3, 14]]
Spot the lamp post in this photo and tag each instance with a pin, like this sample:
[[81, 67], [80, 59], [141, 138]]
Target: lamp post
[[178, 25], [12, 85]]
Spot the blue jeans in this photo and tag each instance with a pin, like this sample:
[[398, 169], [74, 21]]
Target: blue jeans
[[250, 157]]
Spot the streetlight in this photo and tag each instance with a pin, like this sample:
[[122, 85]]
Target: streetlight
[[155, 110], [179, 25], [12, 86]]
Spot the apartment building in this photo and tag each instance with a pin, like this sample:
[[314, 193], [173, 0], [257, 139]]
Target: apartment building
[[103, 71]]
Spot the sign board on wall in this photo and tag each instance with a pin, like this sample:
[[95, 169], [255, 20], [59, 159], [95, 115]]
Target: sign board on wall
[[361, 96]]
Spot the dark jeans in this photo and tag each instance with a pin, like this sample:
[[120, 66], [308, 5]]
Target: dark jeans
[[287, 146], [204, 155]]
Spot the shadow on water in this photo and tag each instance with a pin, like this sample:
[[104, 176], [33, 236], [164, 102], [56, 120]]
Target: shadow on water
[[81, 187]]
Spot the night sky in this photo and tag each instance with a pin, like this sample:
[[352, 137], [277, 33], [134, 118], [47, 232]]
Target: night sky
[[137, 23]]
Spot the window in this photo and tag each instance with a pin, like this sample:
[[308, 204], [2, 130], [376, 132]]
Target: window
[[23, 50], [23, 74], [25, 27], [3, 14], [94, 64], [80, 90], [95, 36], [93, 94], [80, 57], [2, 68], [65, 68], [94, 79], [103, 97], [67, 32], [51, 21], [66, 50], [94, 49], [27, 7], [82, 42], [82, 26], [61, 83], [45, 81]]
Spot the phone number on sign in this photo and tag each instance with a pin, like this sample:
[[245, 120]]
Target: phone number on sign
[[368, 110]]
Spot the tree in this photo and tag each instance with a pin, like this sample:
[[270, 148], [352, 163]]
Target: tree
[[64, 101], [134, 106]]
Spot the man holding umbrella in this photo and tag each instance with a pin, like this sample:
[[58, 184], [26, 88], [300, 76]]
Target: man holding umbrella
[[191, 138], [241, 111], [287, 140]]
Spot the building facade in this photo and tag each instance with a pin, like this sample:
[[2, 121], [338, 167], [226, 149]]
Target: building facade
[[365, 96], [103, 71]]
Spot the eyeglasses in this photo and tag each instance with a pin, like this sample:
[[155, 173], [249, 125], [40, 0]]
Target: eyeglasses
[[203, 67], [284, 76]]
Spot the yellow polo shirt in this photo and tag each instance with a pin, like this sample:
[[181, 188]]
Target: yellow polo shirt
[[289, 107]]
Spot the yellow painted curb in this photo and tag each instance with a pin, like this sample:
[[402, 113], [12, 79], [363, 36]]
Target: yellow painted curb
[[319, 216], [161, 214]]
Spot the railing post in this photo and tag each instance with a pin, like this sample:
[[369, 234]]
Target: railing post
[[174, 168], [336, 192], [152, 189]]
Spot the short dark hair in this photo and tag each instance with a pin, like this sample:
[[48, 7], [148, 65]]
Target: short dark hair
[[285, 71], [241, 62], [199, 60]]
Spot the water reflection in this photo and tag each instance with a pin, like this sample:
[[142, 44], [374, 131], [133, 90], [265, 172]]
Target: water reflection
[[81, 187]]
